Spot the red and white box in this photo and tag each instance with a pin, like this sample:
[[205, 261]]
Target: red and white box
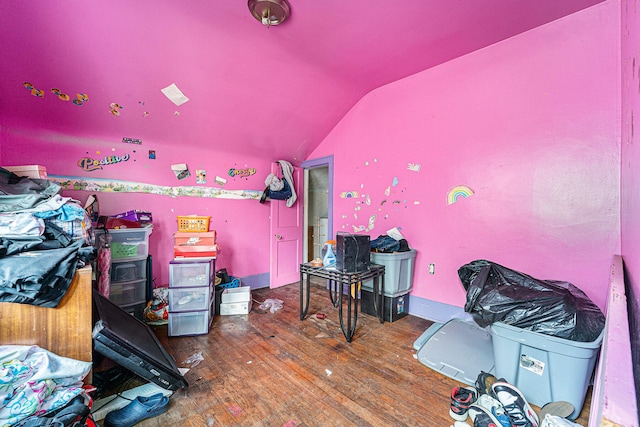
[[30, 171], [207, 238]]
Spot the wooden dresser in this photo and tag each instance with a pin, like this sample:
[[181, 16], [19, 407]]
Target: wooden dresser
[[64, 330]]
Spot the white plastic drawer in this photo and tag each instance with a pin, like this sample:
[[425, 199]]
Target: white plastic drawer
[[190, 273], [189, 299], [189, 323]]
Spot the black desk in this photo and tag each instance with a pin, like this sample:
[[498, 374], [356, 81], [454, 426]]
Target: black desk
[[340, 282]]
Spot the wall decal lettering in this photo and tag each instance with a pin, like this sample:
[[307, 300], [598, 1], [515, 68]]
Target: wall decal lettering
[[242, 173], [88, 164]]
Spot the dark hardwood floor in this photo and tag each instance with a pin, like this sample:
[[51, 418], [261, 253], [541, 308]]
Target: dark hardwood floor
[[272, 369]]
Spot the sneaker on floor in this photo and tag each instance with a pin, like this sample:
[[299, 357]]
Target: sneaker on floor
[[518, 409], [484, 382], [461, 399], [560, 408], [482, 417], [496, 408], [556, 421]]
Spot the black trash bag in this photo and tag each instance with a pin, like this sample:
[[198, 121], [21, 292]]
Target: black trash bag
[[498, 294]]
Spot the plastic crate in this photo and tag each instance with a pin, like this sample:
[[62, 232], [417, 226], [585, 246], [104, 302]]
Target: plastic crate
[[193, 223], [545, 368], [398, 271]]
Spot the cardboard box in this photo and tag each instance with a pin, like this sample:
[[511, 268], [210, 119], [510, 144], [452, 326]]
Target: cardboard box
[[207, 238], [195, 251], [230, 308], [240, 294], [30, 171]]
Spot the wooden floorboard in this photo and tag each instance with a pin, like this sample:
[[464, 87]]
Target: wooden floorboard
[[272, 369]]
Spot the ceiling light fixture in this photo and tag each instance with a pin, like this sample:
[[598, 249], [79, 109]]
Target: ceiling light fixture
[[270, 12]]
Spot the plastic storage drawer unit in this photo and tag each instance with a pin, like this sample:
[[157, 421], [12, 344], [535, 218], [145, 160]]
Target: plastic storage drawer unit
[[189, 299], [545, 368], [189, 323], [190, 273], [398, 271], [129, 242]]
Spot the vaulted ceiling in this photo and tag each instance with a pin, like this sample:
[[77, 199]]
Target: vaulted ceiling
[[270, 91]]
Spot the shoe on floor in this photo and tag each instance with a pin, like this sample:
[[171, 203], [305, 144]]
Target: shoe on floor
[[484, 382], [560, 409], [136, 411], [556, 421], [518, 409], [461, 399], [496, 408], [482, 417]]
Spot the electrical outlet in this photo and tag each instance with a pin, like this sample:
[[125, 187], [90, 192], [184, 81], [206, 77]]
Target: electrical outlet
[[432, 268]]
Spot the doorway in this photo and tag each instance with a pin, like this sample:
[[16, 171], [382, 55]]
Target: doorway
[[318, 206]]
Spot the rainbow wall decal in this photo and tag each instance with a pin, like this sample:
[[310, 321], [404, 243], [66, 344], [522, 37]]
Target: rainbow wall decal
[[458, 192], [349, 194]]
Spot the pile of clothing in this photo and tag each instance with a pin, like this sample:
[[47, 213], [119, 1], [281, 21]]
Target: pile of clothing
[[44, 238], [40, 388]]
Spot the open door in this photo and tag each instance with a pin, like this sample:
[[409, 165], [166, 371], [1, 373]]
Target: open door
[[318, 206], [286, 236]]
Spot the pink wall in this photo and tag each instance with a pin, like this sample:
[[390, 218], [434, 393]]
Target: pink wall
[[630, 163], [242, 225], [529, 124]]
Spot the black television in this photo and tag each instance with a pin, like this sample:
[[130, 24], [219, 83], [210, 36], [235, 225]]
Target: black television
[[133, 345]]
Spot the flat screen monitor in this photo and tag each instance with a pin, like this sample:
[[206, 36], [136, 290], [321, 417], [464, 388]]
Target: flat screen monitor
[[133, 345]]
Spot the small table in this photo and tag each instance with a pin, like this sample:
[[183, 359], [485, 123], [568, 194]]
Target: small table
[[339, 282]]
